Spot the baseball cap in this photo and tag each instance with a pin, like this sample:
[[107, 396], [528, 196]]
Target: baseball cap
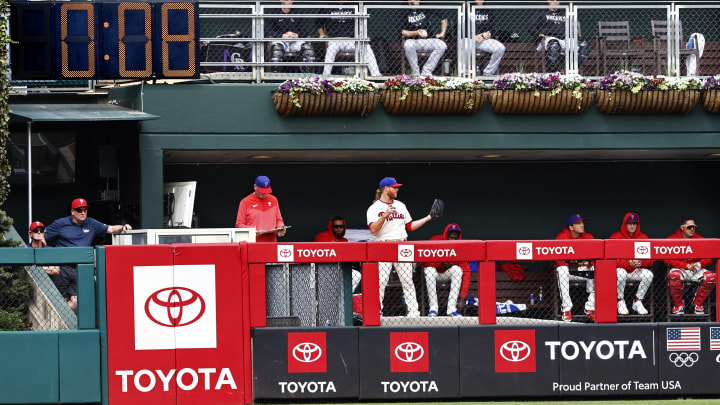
[[389, 182], [453, 227], [79, 203], [632, 218], [263, 184], [575, 218], [36, 224]]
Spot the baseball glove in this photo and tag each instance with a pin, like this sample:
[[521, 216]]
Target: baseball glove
[[438, 209]]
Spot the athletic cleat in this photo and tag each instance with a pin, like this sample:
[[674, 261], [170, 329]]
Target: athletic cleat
[[638, 307], [591, 314], [456, 315], [567, 316], [678, 310], [432, 313], [699, 310], [622, 308]]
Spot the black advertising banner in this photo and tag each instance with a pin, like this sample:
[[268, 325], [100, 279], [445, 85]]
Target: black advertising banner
[[306, 363], [601, 360], [689, 358], [409, 363], [497, 361]]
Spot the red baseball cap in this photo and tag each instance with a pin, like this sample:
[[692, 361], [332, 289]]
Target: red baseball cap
[[36, 224], [79, 203]]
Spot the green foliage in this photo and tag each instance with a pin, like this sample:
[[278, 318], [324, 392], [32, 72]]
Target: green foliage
[[4, 100], [11, 321]]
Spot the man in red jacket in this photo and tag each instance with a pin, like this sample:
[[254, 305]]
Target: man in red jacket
[[336, 233], [260, 210], [458, 273], [575, 229], [632, 269], [689, 269]]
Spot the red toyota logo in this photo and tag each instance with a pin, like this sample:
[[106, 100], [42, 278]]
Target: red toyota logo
[[285, 252], [175, 300], [642, 250], [524, 251], [406, 252]]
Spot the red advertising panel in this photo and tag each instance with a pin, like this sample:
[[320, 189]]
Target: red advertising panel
[[409, 352], [209, 347], [266, 252], [307, 352], [515, 351], [545, 249], [136, 374], [426, 251], [662, 248]]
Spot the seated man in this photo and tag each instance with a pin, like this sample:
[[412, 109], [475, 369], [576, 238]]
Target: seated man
[[421, 34], [484, 41], [336, 233], [292, 29], [341, 24], [457, 273], [575, 229], [548, 25], [633, 269], [689, 269]]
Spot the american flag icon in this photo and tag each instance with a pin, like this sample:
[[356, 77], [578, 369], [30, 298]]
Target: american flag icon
[[680, 339], [714, 338]]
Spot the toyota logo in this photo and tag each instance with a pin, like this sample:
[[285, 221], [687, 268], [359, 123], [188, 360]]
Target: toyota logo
[[306, 352], [514, 350], [524, 251], [285, 253], [406, 252], [409, 352], [642, 250], [174, 306]]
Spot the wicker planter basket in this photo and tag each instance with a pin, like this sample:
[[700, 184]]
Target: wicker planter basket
[[646, 101], [711, 100], [524, 102], [440, 102], [326, 104]]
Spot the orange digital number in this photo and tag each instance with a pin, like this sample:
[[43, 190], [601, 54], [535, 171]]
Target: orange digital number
[[64, 8], [122, 8], [188, 38]]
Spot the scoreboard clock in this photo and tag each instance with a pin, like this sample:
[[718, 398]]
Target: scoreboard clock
[[104, 40]]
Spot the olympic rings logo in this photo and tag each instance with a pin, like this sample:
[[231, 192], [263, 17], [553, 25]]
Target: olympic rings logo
[[683, 359]]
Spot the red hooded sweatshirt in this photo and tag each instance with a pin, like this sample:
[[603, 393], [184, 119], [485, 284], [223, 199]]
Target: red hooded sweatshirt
[[682, 263], [624, 234], [565, 234], [465, 266], [329, 236]]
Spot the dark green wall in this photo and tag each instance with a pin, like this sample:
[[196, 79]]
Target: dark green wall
[[490, 201]]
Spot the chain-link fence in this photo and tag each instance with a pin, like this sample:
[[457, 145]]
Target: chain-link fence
[[279, 40]]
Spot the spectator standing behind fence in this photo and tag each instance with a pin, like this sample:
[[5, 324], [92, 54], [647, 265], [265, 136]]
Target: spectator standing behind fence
[[340, 23], [389, 220], [37, 240], [575, 229], [458, 273], [484, 41], [419, 30], [336, 233], [632, 269], [689, 269], [76, 230], [290, 29], [260, 210]]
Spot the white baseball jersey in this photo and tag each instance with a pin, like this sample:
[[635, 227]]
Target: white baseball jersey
[[394, 226]]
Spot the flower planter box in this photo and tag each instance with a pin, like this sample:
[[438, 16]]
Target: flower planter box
[[326, 104], [711, 100], [646, 101], [439, 102], [524, 102]]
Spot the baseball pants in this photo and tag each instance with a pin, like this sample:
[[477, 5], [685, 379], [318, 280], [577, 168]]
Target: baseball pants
[[497, 51], [564, 278], [336, 46], [644, 276], [434, 45], [454, 274], [405, 274]]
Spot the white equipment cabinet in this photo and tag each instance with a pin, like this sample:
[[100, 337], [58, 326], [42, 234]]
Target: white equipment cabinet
[[184, 235]]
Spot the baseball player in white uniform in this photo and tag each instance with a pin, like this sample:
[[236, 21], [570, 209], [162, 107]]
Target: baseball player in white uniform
[[389, 220]]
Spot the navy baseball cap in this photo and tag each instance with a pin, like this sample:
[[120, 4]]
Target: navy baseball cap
[[263, 184], [453, 227], [389, 182], [632, 218], [575, 218]]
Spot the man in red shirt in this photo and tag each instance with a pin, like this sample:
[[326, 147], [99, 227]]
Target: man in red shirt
[[632, 269], [335, 232], [575, 229], [260, 210], [689, 269]]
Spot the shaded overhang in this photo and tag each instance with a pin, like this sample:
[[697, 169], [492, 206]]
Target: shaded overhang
[[20, 113]]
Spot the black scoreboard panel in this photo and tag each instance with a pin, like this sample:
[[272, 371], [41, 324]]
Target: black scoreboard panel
[[109, 40]]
